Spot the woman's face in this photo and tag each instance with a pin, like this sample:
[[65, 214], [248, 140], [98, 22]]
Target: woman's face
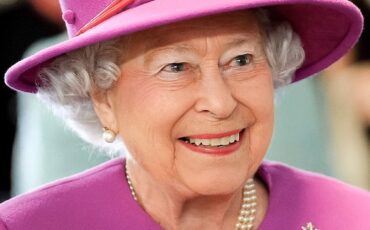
[[205, 81]]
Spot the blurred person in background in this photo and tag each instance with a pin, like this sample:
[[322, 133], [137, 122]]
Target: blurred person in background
[[39, 130], [21, 26], [347, 89]]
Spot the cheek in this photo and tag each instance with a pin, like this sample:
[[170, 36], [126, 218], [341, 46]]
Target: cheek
[[147, 113], [257, 96]]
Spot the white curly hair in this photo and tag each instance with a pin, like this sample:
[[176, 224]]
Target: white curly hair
[[67, 81]]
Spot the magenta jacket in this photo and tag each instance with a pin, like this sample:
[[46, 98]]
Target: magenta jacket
[[100, 199]]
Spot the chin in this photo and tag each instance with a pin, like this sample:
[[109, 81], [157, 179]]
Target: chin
[[220, 181], [208, 174]]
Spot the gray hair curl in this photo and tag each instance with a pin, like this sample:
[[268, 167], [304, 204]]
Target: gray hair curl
[[67, 82]]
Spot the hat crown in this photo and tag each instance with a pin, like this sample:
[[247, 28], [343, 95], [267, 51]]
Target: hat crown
[[77, 13]]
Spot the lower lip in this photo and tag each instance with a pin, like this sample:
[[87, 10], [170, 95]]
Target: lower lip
[[220, 151]]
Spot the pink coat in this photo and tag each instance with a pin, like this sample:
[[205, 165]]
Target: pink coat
[[100, 199]]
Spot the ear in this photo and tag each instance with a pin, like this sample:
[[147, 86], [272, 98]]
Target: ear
[[103, 106]]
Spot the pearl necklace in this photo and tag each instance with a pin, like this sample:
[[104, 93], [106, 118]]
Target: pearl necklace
[[248, 209]]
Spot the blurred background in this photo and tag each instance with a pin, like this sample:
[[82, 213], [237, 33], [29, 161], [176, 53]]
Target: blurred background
[[322, 124]]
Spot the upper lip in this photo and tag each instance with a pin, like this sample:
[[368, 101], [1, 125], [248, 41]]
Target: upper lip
[[214, 135]]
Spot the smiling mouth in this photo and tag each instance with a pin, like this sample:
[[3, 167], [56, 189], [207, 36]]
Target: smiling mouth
[[214, 141]]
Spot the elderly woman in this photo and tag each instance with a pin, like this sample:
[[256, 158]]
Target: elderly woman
[[186, 88]]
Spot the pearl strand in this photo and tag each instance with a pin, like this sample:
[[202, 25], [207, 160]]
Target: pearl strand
[[248, 210], [133, 193]]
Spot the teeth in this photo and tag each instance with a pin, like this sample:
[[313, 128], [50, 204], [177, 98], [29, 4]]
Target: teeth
[[232, 138], [215, 142], [205, 141], [197, 141], [224, 141]]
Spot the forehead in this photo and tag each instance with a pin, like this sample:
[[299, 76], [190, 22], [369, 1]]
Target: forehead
[[236, 25]]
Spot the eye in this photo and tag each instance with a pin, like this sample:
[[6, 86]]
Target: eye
[[176, 71], [241, 60], [175, 67]]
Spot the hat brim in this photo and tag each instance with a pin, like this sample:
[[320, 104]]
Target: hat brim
[[327, 28]]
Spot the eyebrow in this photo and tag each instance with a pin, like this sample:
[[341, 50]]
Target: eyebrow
[[241, 40], [180, 48], [186, 48]]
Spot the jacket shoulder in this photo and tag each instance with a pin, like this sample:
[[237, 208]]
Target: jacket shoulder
[[2, 225], [65, 199], [311, 196], [313, 183]]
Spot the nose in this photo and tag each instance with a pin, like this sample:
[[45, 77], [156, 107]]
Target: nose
[[215, 96]]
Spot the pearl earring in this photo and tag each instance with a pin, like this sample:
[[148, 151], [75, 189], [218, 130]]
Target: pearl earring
[[108, 135]]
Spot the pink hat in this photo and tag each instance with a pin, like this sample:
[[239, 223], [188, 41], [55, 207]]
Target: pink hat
[[327, 28]]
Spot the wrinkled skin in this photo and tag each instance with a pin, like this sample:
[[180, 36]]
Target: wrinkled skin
[[204, 76]]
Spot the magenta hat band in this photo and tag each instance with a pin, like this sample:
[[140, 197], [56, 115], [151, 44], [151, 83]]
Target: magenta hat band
[[80, 19], [328, 28], [113, 8]]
